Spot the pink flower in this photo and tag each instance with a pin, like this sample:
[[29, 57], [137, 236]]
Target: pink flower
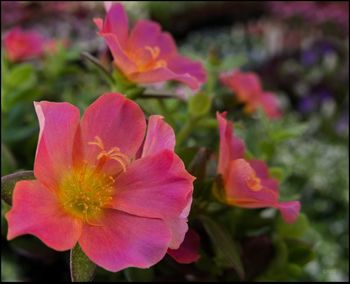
[[188, 251], [22, 45], [106, 183], [146, 54], [247, 183], [247, 88]]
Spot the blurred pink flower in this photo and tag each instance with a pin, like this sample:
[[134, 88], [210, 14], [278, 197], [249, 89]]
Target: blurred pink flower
[[98, 183], [22, 45], [146, 54], [247, 183], [248, 90]]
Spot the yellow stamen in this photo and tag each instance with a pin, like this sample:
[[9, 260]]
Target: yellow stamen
[[253, 182], [153, 50], [112, 154]]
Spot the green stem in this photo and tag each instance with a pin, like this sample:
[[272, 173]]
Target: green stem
[[186, 130]]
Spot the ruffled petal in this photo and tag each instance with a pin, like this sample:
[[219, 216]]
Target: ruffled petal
[[231, 147], [188, 252], [125, 240], [118, 122], [156, 186], [160, 136], [58, 126], [36, 211]]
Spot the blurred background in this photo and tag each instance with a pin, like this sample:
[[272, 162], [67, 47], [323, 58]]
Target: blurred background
[[300, 49]]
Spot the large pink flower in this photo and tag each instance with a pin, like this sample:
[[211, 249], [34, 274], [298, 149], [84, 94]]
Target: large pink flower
[[247, 183], [22, 45], [102, 182], [247, 88], [146, 54]]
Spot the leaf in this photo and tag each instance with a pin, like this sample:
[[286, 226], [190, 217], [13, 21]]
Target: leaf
[[82, 269], [224, 245], [8, 183], [199, 105], [8, 162], [300, 252], [198, 165], [21, 77], [133, 274], [295, 230]]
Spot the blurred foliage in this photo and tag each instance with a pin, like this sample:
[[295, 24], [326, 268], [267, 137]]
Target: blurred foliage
[[307, 151]]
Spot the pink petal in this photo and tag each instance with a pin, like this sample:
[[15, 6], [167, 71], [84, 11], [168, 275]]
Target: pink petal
[[238, 191], [178, 226], [164, 74], [231, 147], [245, 85], [270, 105], [36, 211], [290, 210], [182, 65], [262, 172], [149, 34], [58, 126], [156, 186], [124, 241], [121, 59], [188, 251], [160, 136], [118, 122], [116, 22]]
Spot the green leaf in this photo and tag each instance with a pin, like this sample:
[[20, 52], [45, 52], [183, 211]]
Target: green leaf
[[21, 77], [133, 274], [8, 183], [224, 244], [198, 165], [300, 252], [277, 173], [8, 162], [199, 105], [295, 230], [82, 269]]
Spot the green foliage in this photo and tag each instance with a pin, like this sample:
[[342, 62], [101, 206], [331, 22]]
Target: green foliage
[[82, 268]]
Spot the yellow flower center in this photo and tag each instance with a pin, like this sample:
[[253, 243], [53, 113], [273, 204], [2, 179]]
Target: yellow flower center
[[87, 189], [84, 192]]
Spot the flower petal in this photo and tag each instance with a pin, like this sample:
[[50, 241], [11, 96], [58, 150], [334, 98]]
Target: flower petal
[[149, 34], [58, 126], [262, 172], [178, 226], [36, 211], [124, 241], [164, 74], [188, 251], [240, 194], [156, 186], [120, 57], [182, 65], [110, 118], [160, 136], [290, 210], [270, 105], [116, 22], [231, 147]]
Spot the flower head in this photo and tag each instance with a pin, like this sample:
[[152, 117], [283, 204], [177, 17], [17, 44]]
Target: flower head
[[22, 45], [98, 183], [247, 183], [247, 88], [146, 54]]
